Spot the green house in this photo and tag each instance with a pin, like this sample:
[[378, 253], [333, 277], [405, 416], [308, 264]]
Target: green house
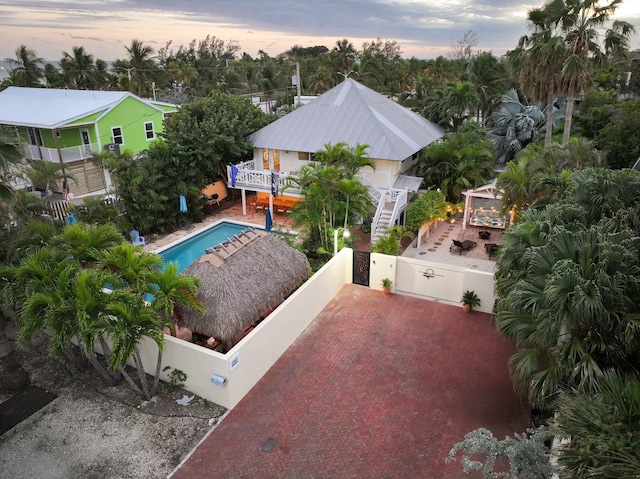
[[70, 126]]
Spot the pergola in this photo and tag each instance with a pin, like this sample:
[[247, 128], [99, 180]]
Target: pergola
[[482, 207]]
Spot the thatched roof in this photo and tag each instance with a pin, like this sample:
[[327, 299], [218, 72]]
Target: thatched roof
[[244, 287]]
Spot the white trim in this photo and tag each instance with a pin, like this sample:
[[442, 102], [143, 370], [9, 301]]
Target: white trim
[[153, 131], [113, 136]]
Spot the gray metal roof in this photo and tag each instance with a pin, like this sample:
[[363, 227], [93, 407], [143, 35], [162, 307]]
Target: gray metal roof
[[52, 108], [354, 114]]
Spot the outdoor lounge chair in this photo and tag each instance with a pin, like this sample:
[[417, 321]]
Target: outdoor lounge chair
[[462, 245], [136, 239]]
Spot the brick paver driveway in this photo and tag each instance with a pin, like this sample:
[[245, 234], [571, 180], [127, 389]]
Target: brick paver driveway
[[377, 387]]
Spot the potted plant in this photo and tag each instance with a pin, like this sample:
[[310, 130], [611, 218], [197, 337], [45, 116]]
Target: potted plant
[[470, 300], [386, 285]]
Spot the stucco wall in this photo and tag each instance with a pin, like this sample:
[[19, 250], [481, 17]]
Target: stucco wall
[[251, 358]]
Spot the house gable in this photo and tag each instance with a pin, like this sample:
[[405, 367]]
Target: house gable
[[130, 116]]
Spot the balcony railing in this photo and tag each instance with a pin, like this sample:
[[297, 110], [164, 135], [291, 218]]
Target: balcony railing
[[70, 154], [260, 180]]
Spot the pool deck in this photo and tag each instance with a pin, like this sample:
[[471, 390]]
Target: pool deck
[[228, 210], [435, 245]]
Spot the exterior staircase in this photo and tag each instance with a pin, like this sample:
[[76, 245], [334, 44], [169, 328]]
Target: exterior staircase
[[385, 221]]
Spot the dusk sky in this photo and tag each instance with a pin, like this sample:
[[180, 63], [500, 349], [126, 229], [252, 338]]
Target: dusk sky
[[424, 29]]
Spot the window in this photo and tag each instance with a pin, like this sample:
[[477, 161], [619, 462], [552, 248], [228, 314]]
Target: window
[[148, 130], [35, 136], [303, 156], [116, 135]]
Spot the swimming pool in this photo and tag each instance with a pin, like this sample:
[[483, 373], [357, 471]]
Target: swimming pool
[[192, 248]]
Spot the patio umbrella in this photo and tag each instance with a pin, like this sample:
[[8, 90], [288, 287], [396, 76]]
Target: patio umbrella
[[269, 221], [183, 204]]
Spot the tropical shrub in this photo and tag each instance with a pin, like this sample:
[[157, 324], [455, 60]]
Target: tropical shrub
[[428, 207], [524, 456]]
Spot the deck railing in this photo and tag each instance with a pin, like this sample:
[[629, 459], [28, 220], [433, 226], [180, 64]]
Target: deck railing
[[70, 154], [248, 177], [260, 180]]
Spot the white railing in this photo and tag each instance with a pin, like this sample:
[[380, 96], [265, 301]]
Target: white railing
[[375, 192], [260, 180], [376, 217], [399, 198], [73, 153]]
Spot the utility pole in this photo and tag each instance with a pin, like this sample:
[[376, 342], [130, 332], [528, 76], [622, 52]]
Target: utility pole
[[298, 82]]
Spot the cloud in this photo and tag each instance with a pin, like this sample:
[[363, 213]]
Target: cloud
[[419, 26]]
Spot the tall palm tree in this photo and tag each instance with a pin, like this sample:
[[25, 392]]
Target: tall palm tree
[[538, 61], [460, 99], [27, 67], [79, 68], [488, 75], [583, 23], [343, 57], [141, 66]]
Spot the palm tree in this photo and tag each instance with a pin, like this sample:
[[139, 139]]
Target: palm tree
[[171, 294], [27, 67], [343, 56], [43, 174], [140, 66], [514, 126], [567, 282], [86, 243], [350, 159], [601, 426], [10, 159], [463, 160], [126, 324], [538, 61], [79, 68], [581, 22], [461, 99]]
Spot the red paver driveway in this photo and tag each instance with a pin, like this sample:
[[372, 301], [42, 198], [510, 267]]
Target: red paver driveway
[[377, 387]]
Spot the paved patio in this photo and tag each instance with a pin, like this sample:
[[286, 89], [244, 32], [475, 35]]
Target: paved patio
[[437, 243], [378, 386]]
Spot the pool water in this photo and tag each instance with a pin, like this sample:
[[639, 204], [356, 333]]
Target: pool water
[[192, 248]]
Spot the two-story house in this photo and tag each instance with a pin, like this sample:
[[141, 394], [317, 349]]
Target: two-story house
[[353, 114], [70, 126]]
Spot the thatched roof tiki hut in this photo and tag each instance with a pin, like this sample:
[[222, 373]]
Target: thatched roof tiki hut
[[242, 283]]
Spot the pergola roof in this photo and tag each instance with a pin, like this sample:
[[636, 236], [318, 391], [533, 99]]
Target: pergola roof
[[487, 191]]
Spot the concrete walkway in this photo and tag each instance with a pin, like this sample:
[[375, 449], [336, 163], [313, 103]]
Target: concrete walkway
[[377, 387]]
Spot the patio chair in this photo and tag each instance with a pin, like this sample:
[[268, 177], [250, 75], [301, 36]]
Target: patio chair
[[465, 245], [136, 239]]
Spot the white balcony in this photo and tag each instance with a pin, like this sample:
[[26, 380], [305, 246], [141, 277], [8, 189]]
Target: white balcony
[[260, 180], [70, 154]]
